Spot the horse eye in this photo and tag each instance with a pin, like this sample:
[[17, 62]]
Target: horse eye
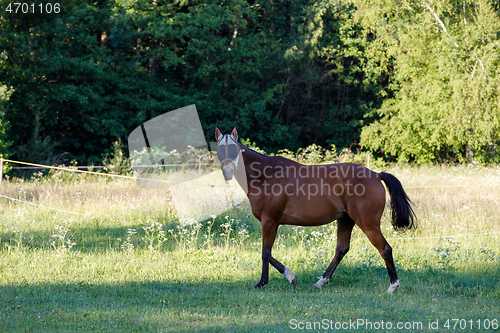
[[221, 152], [232, 152]]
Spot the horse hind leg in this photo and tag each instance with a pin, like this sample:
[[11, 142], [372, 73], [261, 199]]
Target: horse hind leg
[[377, 239], [344, 231]]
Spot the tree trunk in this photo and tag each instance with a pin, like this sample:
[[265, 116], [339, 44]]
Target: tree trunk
[[469, 155]]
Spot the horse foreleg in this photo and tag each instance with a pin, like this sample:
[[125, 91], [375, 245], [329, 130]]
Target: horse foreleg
[[285, 271], [344, 230], [269, 230], [377, 239]]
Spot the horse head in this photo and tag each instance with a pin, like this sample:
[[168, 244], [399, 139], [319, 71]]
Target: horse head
[[227, 152]]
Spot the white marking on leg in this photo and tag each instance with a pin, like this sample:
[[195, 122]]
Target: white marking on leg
[[393, 287], [288, 275], [321, 282]]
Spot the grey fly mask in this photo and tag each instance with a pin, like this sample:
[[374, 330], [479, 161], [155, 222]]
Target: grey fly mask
[[227, 149]]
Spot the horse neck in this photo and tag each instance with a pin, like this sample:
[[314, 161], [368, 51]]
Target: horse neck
[[251, 161]]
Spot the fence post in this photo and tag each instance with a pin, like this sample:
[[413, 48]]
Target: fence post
[[1, 169], [368, 162]]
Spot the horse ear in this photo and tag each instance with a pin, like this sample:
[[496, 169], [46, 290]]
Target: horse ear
[[235, 133], [218, 134]]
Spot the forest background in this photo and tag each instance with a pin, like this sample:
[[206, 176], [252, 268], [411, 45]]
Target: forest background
[[409, 81]]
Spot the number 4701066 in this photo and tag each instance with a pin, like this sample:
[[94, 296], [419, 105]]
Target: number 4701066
[[26, 8]]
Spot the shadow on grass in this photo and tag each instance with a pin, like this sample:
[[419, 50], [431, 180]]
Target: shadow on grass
[[234, 306], [134, 307]]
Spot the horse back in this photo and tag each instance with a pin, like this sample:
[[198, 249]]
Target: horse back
[[298, 194]]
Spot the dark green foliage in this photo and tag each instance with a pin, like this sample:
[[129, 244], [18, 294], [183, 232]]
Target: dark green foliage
[[66, 84], [286, 73], [447, 82], [277, 71]]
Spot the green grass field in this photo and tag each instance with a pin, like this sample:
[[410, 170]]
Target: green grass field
[[127, 265]]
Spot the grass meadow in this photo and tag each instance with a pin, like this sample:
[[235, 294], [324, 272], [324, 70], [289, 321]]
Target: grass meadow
[[127, 264]]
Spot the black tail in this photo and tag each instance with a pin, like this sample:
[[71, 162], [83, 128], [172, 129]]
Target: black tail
[[403, 217]]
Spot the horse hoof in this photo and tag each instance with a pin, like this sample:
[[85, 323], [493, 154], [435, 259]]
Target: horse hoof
[[294, 281], [259, 285], [320, 283], [393, 287], [317, 286]]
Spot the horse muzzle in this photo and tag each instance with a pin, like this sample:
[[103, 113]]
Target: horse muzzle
[[228, 170]]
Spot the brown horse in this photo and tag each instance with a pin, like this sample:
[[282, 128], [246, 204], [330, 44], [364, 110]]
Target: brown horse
[[282, 191]]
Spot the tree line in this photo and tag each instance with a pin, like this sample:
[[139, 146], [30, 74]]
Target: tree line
[[413, 81]]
